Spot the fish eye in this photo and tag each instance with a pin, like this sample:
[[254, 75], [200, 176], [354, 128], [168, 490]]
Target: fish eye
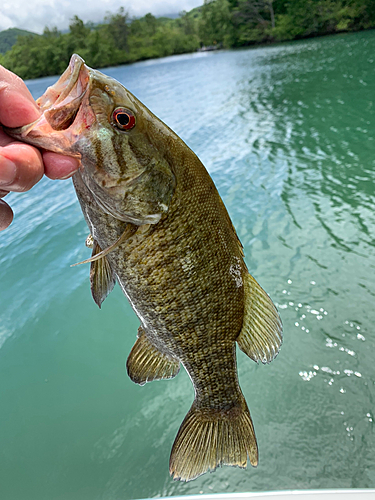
[[123, 119]]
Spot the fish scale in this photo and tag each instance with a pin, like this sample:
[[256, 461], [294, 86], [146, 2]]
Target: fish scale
[[162, 231]]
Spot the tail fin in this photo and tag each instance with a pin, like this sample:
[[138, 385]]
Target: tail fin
[[209, 438]]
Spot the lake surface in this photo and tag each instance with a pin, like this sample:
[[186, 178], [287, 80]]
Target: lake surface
[[287, 133]]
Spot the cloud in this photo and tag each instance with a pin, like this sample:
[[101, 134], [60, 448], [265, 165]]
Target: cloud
[[34, 15]]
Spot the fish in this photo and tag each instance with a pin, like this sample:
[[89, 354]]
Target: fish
[[159, 228]]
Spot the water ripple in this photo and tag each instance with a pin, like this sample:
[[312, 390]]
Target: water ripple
[[287, 134]]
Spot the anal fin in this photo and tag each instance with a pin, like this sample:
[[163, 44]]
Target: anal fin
[[102, 278], [146, 363], [261, 334]]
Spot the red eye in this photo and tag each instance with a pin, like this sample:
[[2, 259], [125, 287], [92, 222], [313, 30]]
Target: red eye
[[123, 118]]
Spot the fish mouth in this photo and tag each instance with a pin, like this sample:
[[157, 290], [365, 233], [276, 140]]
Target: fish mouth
[[60, 103], [60, 125]]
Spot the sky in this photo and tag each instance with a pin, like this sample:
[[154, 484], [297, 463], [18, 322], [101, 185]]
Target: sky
[[34, 15]]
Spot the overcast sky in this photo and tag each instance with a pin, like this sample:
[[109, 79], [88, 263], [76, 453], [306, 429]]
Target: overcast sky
[[34, 15]]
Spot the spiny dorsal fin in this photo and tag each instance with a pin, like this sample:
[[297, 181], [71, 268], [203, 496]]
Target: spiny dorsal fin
[[212, 437], [102, 278], [146, 363], [261, 334]]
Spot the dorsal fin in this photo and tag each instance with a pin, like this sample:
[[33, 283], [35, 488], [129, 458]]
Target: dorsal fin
[[102, 278], [146, 363], [261, 334]]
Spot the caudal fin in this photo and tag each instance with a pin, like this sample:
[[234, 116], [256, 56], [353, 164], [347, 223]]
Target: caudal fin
[[209, 438]]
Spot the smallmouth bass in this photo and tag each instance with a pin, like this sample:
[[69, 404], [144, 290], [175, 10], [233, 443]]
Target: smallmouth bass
[[160, 229]]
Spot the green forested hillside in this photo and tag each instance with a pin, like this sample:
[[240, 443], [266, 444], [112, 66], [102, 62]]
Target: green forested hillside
[[9, 37], [221, 23]]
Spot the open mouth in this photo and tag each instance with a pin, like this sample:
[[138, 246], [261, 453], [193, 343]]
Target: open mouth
[[60, 103], [64, 113]]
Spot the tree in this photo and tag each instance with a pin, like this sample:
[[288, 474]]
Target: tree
[[78, 33], [215, 24], [252, 21], [151, 23], [232, 23], [118, 28]]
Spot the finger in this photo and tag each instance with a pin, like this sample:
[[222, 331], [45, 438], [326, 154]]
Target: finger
[[17, 106], [6, 215], [58, 166], [21, 166], [4, 138]]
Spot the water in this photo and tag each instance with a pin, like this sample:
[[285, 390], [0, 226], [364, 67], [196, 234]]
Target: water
[[287, 135]]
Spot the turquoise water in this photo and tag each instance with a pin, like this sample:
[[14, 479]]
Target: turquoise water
[[287, 133]]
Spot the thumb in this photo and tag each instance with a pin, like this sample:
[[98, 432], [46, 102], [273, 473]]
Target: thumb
[[6, 214]]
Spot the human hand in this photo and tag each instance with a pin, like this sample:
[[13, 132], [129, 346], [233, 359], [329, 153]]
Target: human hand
[[22, 165]]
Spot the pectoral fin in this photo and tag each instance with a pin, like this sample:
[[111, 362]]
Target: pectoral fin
[[102, 278], [130, 229], [261, 334], [146, 363]]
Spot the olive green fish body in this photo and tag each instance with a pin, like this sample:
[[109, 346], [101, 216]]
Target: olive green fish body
[[160, 228], [189, 297]]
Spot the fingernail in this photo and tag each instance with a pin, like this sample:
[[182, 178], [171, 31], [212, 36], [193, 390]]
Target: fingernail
[[8, 171], [67, 176]]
